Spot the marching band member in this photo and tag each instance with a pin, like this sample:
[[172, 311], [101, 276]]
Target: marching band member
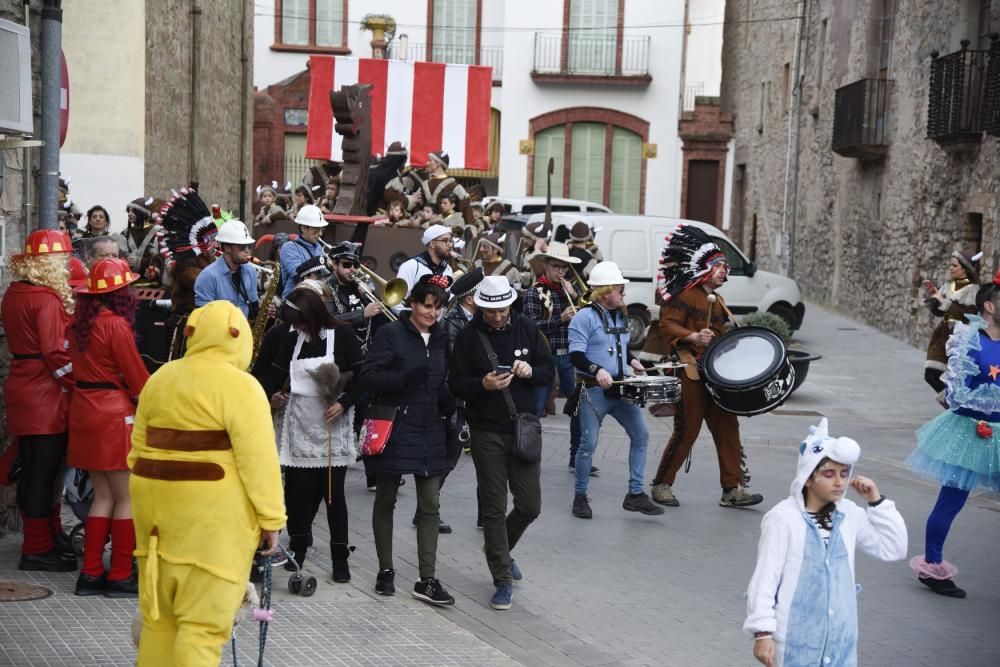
[[227, 278], [109, 375], [311, 224], [598, 346], [439, 242], [694, 268], [35, 311], [549, 304], [491, 259], [348, 303]]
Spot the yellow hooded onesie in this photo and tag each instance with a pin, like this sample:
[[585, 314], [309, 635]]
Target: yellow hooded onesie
[[205, 481]]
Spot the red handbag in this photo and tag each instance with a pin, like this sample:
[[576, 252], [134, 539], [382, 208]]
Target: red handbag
[[377, 429]]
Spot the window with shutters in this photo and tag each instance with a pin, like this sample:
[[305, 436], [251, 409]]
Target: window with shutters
[[311, 25], [593, 36], [454, 31], [597, 153]]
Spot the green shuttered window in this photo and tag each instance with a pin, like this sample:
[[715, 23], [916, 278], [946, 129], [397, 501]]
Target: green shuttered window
[[626, 170], [587, 170], [549, 143]]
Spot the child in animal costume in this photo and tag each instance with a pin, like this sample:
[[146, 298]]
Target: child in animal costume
[[960, 448], [802, 600], [205, 488]]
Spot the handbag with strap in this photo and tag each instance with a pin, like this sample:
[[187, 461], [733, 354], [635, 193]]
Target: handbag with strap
[[377, 429], [527, 426]]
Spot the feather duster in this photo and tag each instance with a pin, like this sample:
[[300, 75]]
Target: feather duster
[[330, 382]]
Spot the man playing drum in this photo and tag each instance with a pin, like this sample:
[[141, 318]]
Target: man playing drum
[[692, 315]]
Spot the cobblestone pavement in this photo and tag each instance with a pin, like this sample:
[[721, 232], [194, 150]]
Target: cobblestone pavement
[[621, 589]]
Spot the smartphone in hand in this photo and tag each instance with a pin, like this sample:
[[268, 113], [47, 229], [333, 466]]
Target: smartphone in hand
[[503, 370]]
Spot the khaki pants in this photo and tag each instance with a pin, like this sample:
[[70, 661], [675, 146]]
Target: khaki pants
[[696, 406]]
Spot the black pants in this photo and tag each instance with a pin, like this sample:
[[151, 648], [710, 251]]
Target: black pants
[[42, 459], [305, 489], [933, 377]]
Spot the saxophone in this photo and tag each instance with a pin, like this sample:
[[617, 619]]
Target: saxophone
[[273, 271]]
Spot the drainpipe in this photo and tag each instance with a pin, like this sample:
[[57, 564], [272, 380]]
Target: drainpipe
[[791, 191], [25, 160], [244, 106], [195, 85], [51, 77]]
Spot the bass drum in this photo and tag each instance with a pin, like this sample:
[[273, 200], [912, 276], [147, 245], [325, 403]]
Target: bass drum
[[746, 371]]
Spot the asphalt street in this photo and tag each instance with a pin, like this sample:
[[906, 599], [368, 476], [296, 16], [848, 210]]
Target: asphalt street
[[622, 588]]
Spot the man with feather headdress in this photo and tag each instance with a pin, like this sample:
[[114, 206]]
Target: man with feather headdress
[[693, 268]]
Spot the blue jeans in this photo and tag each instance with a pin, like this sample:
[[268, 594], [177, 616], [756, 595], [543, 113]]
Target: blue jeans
[[594, 405], [567, 381]]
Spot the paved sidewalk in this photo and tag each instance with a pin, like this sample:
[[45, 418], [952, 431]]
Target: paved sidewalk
[[621, 589]]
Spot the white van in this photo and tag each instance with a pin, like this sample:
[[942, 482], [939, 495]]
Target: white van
[[634, 243], [529, 205]]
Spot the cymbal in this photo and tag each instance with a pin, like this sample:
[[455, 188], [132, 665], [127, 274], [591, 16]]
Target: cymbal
[[669, 365]]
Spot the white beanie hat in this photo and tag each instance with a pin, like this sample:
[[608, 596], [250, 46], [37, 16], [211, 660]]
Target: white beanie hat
[[433, 232]]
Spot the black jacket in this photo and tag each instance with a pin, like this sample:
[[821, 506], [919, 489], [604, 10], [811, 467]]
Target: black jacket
[[346, 354], [400, 370], [487, 410], [453, 322]]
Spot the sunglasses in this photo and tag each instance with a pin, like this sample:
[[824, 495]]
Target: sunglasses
[[348, 265]]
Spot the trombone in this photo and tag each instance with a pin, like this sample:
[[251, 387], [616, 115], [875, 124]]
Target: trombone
[[393, 291], [582, 289]]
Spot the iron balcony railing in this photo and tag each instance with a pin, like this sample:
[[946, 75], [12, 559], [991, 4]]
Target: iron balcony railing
[[955, 105], [491, 56], [591, 55], [991, 88], [860, 119]]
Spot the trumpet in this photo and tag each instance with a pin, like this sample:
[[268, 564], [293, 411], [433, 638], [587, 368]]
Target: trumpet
[[393, 291]]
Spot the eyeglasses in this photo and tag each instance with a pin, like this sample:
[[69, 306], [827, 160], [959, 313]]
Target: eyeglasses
[[559, 267], [243, 246], [445, 241]]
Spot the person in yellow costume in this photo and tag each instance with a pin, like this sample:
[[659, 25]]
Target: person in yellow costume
[[206, 490]]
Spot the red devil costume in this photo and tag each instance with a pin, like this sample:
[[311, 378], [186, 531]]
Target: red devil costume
[[36, 396]]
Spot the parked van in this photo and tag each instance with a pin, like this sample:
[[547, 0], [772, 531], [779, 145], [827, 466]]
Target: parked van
[[528, 205], [635, 242]]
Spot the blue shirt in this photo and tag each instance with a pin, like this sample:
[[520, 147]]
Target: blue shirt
[[291, 255], [588, 334], [215, 283]]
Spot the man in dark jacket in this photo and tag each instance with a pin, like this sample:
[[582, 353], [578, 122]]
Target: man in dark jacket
[[523, 363]]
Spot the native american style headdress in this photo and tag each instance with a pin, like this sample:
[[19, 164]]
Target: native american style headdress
[[189, 227], [687, 259]]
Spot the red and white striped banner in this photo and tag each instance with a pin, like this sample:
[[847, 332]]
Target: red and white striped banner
[[426, 106]]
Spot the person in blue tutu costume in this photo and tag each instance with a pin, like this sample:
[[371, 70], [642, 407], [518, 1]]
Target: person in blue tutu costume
[[960, 448]]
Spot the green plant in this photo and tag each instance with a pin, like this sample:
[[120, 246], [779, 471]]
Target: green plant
[[768, 321]]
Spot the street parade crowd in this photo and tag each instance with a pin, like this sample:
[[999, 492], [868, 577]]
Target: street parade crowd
[[283, 371]]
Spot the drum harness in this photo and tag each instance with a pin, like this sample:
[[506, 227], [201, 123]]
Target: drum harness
[[611, 331]]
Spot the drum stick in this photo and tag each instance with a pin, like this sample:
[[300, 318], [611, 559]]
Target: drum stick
[[711, 302]]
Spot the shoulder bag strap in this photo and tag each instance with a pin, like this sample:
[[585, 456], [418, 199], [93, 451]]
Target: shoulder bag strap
[[511, 409]]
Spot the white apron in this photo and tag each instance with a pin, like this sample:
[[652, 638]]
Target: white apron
[[303, 435]]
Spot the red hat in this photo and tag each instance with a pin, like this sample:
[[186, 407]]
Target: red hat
[[77, 272], [108, 275], [47, 241]]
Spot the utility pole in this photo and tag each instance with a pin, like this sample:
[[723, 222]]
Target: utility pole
[[51, 79]]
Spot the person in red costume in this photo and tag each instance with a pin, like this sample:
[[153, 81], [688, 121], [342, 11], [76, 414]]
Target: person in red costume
[[35, 311], [109, 376]]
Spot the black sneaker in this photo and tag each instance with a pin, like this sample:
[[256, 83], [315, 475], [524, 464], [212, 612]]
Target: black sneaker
[[88, 585], [50, 561], [385, 582], [640, 502], [593, 469], [581, 507], [944, 587], [430, 590], [123, 588]]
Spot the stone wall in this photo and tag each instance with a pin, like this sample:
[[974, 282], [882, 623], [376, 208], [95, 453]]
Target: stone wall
[[866, 233], [12, 216], [217, 139]]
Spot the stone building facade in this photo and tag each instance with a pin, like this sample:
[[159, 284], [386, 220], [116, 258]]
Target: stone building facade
[[880, 204]]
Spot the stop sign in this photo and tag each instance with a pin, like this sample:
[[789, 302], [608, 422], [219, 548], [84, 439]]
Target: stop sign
[[63, 100]]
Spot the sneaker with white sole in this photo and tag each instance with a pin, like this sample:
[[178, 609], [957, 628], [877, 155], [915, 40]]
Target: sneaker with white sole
[[740, 497], [430, 590], [502, 597]]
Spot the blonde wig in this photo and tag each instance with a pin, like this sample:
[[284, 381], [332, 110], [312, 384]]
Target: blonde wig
[[50, 270]]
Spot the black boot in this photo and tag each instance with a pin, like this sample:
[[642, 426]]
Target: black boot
[[339, 553], [50, 561], [298, 545]]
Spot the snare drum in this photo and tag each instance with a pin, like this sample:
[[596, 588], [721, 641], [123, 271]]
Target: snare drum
[[650, 389], [746, 371]]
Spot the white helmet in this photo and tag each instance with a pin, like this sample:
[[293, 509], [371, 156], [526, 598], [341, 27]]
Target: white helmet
[[606, 273], [234, 231], [310, 216]]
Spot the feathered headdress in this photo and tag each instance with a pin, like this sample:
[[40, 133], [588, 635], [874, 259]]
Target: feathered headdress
[[189, 227], [686, 261]]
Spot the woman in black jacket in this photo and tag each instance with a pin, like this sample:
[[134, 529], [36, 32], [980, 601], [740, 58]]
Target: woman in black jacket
[[406, 367]]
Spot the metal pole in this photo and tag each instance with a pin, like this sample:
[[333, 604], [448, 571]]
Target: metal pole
[[790, 197], [51, 78], [195, 84], [244, 94]]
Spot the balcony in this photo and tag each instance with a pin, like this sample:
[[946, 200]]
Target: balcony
[[991, 95], [860, 119], [490, 56], [602, 59], [955, 108]]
